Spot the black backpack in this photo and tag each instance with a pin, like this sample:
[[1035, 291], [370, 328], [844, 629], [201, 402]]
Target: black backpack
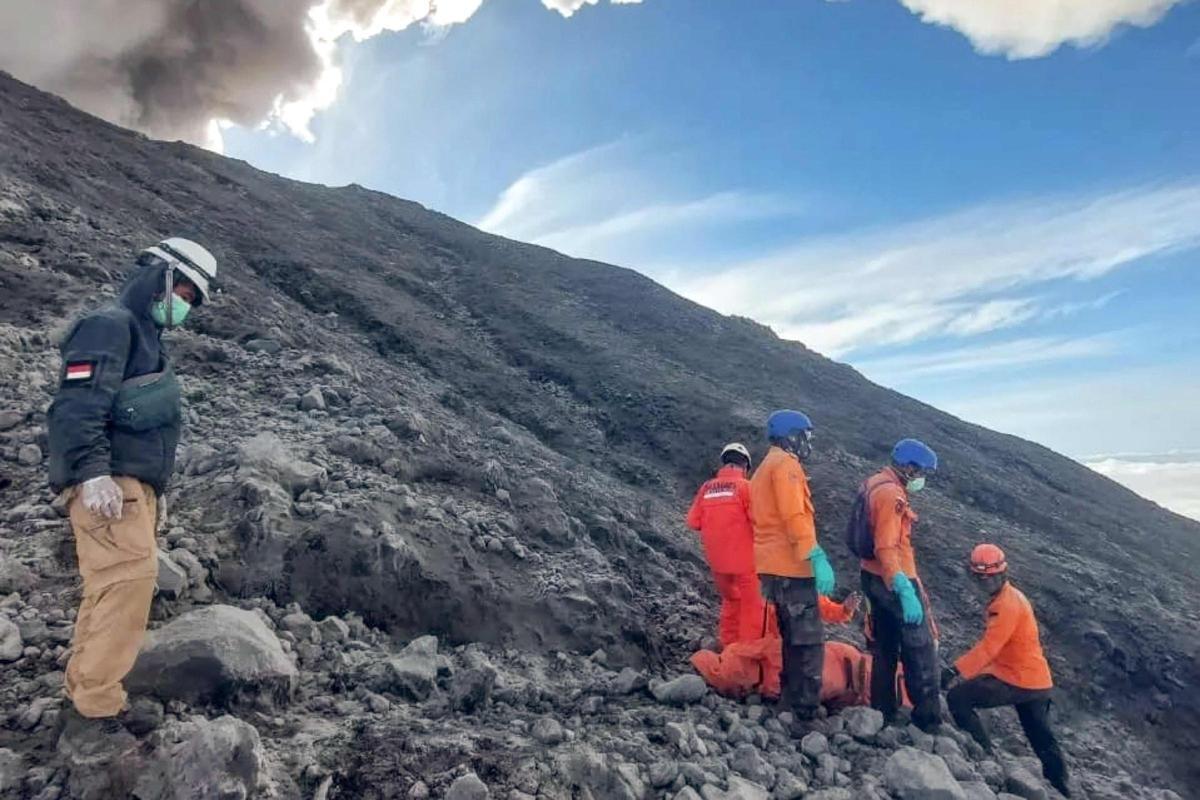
[[860, 533]]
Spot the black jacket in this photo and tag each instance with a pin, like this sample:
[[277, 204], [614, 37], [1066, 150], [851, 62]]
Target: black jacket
[[104, 350]]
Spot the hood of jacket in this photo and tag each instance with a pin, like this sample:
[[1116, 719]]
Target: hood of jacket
[[137, 294]]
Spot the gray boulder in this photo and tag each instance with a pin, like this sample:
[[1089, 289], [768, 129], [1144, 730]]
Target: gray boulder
[[548, 731], [468, 787], [11, 770], [739, 789], [627, 681], [978, 790], [172, 578], [863, 723], [472, 688], [1023, 783], [213, 654], [681, 691], [11, 643], [748, 761], [15, 576], [312, 400], [913, 774], [267, 455], [814, 744], [412, 673], [204, 760], [29, 455]]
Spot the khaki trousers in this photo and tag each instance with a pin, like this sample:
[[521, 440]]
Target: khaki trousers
[[118, 561]]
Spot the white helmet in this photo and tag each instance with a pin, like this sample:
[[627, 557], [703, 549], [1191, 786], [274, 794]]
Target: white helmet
[[189, 258], [737, 447]]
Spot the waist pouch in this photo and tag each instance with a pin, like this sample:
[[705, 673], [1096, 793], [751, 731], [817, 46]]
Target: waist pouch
[[148, 402]]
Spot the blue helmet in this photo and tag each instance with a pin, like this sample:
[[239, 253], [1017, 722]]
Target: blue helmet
[[785, 425], [910, 452]]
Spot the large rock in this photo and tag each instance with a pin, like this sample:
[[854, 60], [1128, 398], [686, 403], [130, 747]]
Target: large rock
[[472, 688], [814, 744], [596, 775], [548, 731], [739, 789], [1023, 783], [913, 774], [267, 455], [11, 644], [214, 654], [977, 790], [468, 787], [748, 761], [172, 578], [863, 723], [204, 760], [682, 691], [12, 770], [412, 673], [15, 576]]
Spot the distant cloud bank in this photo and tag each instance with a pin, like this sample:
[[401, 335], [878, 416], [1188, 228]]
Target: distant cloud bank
[[1172, 479]]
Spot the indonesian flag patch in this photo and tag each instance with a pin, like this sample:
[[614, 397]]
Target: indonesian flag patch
[[79, 371]]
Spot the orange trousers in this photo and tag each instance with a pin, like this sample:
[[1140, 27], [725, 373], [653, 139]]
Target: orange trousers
[[742, 607], [118, 561]]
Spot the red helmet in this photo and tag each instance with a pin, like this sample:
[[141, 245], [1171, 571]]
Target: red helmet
[[988, 559]]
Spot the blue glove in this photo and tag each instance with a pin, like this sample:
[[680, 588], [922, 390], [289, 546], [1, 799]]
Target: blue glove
[[910, 604], [822, 571]]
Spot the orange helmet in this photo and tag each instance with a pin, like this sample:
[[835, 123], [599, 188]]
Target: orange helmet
[[988, 559]]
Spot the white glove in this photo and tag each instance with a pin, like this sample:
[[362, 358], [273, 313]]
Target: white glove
[[103, 496]]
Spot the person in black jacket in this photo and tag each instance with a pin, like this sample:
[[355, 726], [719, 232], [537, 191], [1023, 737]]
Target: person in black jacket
[[113, 428]]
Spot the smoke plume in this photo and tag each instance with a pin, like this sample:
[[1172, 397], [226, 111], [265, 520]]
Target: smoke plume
[[179, 69]]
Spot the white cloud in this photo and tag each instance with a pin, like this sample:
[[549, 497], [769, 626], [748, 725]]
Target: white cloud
[[1172, 480], [612, 202], [1033, 28], [895, 370], [949, 275], [569, 7], [1123, 409]]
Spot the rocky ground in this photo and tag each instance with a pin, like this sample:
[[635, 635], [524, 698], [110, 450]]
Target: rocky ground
[[425, 537]]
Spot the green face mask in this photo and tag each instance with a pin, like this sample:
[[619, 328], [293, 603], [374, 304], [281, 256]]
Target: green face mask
[[916, 484], [179, 311]]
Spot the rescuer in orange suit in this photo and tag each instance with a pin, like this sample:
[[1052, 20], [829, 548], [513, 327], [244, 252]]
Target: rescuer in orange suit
[[880, 533], [792, 566], [1006, 667], [721, 513]]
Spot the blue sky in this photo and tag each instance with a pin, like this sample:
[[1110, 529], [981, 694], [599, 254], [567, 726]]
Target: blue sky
[[999, 215]]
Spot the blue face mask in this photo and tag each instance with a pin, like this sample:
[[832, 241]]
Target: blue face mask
[[916, 484], [179, 311]]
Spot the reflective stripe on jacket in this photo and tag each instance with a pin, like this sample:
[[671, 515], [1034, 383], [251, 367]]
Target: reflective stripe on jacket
[[721, 512]]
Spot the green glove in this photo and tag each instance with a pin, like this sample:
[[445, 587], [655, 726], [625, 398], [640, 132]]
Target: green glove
[[910, 604], [822, 571]]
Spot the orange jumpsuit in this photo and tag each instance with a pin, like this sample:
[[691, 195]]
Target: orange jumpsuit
[[753, 667], [785, 529], [1010, 649], [721, 513]]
